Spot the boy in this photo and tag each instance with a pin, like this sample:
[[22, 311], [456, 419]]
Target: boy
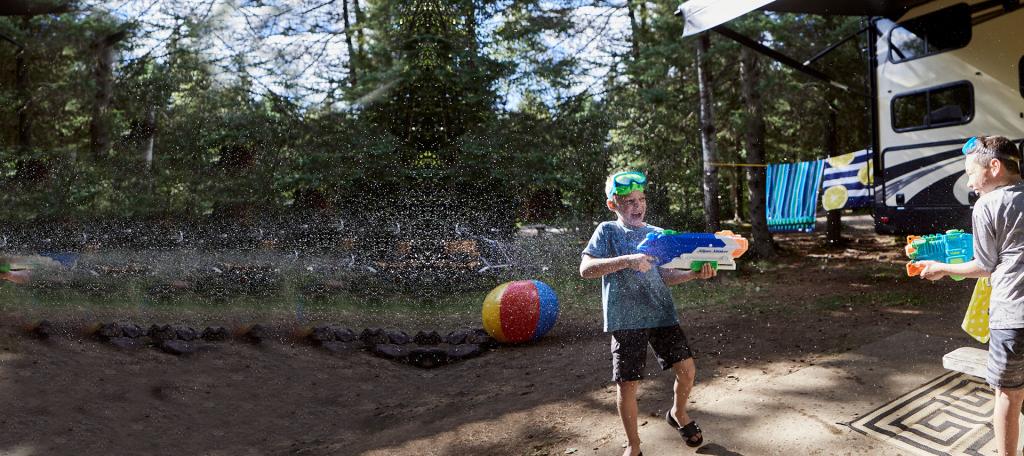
[[638, 307], [993, 170]]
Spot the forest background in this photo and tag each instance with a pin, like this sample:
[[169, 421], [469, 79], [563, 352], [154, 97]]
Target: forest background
[[420, 118]]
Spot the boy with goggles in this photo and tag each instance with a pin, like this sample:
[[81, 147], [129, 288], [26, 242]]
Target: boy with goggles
[[625, 183], [638, 307], [993, 170]]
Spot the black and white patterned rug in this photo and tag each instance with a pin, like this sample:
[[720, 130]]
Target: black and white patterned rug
[[950, 415]]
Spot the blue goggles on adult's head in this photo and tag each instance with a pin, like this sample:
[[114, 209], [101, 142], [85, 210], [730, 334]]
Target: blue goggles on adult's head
[[970, 145], [627, 182], [975, 145]]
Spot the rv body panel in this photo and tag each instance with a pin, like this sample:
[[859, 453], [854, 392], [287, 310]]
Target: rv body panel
[[927, 106]]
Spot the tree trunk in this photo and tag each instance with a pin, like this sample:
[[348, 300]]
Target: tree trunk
[[707, 135], [644, 15], [762, 245], [471, 27], [360, 38], [352, 57], [28, 168], [833, 219], [99, 127], [634, 31], [21, 84], [736, 192], [149, 138]]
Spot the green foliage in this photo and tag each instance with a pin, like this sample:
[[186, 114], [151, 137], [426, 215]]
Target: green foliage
[[656, 106], [473, 110]]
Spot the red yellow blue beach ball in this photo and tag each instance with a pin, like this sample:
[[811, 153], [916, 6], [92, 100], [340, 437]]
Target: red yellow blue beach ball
[[520, 311]]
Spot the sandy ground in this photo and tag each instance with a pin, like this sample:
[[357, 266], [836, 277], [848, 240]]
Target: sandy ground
[[73, 395]]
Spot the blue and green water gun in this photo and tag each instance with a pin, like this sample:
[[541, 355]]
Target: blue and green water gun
[[953, 247]]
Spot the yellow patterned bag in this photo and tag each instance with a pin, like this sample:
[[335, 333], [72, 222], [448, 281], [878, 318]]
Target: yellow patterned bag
[[976, 320]]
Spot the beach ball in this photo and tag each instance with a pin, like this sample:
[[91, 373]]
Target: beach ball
[[520, 311]]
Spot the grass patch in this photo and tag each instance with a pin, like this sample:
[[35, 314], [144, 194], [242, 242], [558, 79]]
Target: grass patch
[[879, 271], [883, 298], [724, 294], [902, 298], [440, 310]]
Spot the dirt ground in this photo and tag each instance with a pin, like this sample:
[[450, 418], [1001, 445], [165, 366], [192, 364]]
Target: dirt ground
[[76, 396]]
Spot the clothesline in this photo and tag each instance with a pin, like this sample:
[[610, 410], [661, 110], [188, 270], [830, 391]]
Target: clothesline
[[740, 165], [756, 165]]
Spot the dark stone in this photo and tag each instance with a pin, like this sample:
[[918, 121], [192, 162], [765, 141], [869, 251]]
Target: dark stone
[[257, 333], [177, 347], [125, 342], [427, 338], [215, 334], [132, 330], [109, 331], [428, 357], [390, 351], [185, 333], [203, 347], [398, 337], [338, 347], [372, 337], [480, 337], [321, 334], [344, 335], [162, 333], [458, 336], [43, 330], [464, 351]]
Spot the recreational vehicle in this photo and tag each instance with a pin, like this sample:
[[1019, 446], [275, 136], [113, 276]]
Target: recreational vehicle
[[941, 72]]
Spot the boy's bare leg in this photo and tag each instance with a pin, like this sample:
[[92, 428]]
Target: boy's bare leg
[[685, 371], [1005, 419], [628, 410]]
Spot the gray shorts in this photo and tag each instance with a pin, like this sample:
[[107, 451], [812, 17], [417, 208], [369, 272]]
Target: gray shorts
[[629, 350], [1006, 359]]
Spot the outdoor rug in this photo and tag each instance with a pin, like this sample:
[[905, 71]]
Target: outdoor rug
[[950, 415]]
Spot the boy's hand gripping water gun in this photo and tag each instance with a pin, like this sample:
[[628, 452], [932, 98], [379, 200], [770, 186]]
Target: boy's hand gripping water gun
[[692, 250], [954, 247]]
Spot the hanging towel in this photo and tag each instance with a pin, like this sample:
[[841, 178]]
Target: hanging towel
[[793, 195], [847, 181], [976, 319]]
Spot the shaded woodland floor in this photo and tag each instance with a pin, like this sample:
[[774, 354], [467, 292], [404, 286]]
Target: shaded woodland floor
[[75, 395]]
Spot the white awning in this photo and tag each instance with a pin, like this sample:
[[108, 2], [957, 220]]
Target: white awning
[[701, 15]]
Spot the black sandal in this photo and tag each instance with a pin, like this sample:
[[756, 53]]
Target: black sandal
[[688, 432]]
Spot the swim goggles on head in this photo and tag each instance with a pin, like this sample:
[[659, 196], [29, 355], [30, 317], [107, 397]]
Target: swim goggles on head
[[627, 182], [970, 145], [974, 145]]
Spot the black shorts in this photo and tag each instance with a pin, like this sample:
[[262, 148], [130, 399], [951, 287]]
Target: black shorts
[[629, 350], [1006, 359]]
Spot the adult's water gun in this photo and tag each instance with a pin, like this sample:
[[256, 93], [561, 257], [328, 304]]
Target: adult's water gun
[[692, 250], [954, 247]]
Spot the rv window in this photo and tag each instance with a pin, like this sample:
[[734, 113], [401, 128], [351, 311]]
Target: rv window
[[942, 106], [941, 31]]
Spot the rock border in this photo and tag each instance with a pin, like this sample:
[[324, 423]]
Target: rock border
[[424, 349], [172, 339]]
